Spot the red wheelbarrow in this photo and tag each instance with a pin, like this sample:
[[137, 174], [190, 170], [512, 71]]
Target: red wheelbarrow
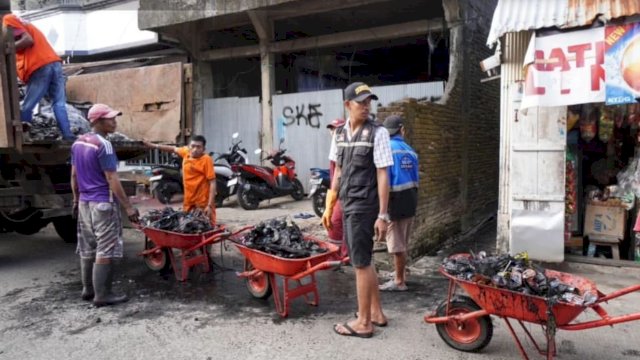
[[260, 270], [192, 249], [464, 322]]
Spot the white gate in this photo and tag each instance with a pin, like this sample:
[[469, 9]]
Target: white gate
[[225, 116], [537, 174], [301, 119]]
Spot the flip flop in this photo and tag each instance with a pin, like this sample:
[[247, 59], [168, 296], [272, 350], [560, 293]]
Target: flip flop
[[375, 323], [392, 286], [351, 332]]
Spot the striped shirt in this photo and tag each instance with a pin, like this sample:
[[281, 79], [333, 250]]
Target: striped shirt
[[382, 155], [92, 155]]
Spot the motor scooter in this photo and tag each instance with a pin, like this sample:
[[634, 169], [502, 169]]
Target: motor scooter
[[226, 178], [320, 183], [166, 180], [258, 183]]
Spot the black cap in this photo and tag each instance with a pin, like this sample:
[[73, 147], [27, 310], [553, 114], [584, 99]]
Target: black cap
[[393, 124], [358, 91]]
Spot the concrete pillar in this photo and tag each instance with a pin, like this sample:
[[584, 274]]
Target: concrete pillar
[[202, 89], [511, 76], [264, 28]]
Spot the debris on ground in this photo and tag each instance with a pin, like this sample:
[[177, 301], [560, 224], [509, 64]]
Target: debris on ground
[[194, 222], [515, 273], [281, 238]]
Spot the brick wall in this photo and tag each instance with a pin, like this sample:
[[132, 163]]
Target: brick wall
[[457, 143]]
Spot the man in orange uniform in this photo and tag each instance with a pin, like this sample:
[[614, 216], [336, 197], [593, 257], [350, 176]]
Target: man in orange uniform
[[198, 175], [41, 69]]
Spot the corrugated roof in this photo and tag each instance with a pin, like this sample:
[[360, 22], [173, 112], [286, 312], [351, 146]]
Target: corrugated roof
[[518, 15]]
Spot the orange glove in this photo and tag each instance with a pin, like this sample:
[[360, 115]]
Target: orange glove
[[330, 202]]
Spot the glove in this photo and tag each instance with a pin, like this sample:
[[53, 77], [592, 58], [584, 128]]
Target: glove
[[330, 202]]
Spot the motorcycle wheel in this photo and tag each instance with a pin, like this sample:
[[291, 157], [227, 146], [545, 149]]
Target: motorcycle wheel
[[318, 202], [247, 200], [219, 200], [163, 194], [298, 193]]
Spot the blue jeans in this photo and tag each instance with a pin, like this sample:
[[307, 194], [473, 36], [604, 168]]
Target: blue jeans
[[49, 79]]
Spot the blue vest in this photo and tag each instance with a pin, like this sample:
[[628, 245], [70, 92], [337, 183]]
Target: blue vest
[[403, 180]]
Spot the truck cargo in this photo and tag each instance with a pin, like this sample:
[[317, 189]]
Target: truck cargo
[[35, 187]]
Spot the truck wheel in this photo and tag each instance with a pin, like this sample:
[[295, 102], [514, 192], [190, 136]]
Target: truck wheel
[[298, 193], [27, 222], [67, 228], [472, 335], [247, 200]]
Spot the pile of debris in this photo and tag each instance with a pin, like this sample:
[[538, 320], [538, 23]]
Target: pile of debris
[[515, 273], [281, 238], [195, 222], [44, 126]]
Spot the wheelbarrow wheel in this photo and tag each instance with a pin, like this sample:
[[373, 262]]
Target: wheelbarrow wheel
[[257, 285], [157, 261], [472, 335]]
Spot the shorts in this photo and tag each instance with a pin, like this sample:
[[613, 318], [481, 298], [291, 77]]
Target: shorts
[[99, 230], [398, 233], [359, 232]]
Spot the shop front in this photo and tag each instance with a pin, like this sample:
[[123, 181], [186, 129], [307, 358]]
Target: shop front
[[570, 154]]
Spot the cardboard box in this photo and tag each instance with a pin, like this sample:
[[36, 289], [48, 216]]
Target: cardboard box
[[606, 222]]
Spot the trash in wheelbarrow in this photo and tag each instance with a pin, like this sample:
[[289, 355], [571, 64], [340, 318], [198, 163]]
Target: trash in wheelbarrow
[[281, 238], [194, 222], [516, 273]]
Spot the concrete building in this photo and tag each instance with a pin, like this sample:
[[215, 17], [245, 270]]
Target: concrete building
[[251, 57]]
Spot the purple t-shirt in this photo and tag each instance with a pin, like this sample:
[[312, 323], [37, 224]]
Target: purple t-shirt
[[92, 155]]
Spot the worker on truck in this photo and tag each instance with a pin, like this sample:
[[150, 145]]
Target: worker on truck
[[40, 68], [198, 175]]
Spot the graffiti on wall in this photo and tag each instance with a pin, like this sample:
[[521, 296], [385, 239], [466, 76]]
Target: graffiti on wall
[[302, 115]]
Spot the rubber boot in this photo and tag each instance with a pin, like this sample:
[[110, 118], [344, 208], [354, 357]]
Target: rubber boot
[[86, 272], [102, 283]]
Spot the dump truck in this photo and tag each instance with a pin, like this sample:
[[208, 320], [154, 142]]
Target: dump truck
[[35, 187]]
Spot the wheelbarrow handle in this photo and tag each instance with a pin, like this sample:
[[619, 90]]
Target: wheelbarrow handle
[[239, 231], [320, 266], [619, 293], [210, 240]]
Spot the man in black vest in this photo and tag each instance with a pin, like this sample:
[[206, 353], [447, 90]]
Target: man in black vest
[[362, 152]]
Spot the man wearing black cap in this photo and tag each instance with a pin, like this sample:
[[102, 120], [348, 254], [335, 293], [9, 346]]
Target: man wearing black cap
[[403, 200], [362, 152]]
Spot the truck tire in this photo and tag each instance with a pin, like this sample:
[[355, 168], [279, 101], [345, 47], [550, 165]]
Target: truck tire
[[27, 222], [67, 228]]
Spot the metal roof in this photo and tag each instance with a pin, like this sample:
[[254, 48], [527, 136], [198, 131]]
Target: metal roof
[[518, 15]]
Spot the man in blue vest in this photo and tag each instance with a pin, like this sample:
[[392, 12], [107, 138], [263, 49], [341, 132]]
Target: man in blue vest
[[362, 152], [403, 200]]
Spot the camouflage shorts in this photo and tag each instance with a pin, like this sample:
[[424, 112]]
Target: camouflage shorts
[[99, 230]]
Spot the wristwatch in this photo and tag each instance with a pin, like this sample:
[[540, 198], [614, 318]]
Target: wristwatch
[[384, 217]]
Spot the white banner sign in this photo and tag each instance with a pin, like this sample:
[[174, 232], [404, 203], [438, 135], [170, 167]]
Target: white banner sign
[[565, 69]]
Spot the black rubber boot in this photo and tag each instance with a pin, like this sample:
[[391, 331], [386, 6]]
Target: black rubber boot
[[86, 272], [102, 282]]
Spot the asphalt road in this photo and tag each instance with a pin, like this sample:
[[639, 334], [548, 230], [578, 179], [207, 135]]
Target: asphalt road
[[212, 316]]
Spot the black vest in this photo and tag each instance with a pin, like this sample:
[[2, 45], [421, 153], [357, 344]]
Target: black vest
[[359, 181]]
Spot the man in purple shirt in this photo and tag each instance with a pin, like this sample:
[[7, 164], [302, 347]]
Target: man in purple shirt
[[97, 194]]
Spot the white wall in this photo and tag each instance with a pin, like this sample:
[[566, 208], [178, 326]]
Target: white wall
[[95, 31]]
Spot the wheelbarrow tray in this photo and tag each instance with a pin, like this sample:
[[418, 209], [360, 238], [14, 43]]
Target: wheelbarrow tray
[[170, 239], [530, 308], [283, 266]]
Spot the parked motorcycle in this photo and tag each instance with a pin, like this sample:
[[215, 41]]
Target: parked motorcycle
[[258, 183], [226, 178], [166, 180], [320, 183]]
